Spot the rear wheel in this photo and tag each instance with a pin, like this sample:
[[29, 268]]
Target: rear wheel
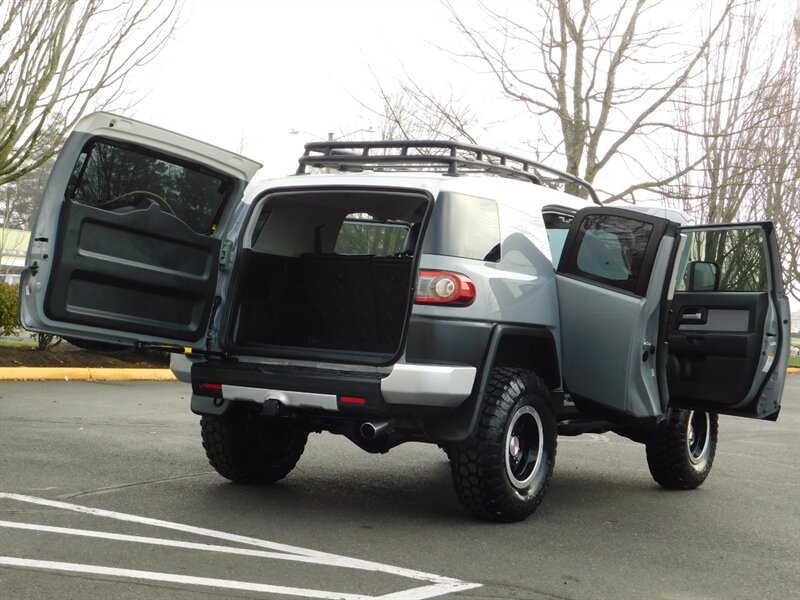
[[680, 454], [245, 447], [503, 472]]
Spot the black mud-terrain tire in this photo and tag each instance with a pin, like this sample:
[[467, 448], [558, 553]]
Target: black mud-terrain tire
[[502, 473], [681, 452], [245, 447]]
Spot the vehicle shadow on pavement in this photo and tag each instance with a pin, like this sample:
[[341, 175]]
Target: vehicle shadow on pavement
[[306, 496], [370, 494]]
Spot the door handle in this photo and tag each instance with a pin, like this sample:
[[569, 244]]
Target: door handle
[[692, 316]]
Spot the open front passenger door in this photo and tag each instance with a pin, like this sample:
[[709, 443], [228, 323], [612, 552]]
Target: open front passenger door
[[126, 244], [655, 315], [728, 328]]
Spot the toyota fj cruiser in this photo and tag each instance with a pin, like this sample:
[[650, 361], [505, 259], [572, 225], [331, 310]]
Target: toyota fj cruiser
[[409, 291]]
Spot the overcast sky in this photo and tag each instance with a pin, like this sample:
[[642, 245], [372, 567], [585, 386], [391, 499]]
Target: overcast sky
[[245, 73], [242, 74]]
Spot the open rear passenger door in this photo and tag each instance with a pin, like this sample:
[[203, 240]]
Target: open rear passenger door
[[126, 244], [655, 315]]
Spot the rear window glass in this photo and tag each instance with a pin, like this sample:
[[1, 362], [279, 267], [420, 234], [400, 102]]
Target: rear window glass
[[117, 178], [360, 234]]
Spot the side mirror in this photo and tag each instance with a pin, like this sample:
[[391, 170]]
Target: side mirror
[[703, 276]]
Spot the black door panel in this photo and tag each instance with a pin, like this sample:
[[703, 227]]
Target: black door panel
[[141, 271], [715, 343], [128, 234]]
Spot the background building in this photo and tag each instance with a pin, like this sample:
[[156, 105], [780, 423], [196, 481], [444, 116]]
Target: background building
[[13, 246]]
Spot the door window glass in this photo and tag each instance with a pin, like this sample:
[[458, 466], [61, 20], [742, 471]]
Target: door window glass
[[117, 178], [611, 250], [725, 260]]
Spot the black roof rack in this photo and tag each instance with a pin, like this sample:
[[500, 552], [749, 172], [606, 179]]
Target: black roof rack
[[437, 156]]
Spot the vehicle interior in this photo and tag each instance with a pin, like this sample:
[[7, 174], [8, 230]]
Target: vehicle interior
[[327, 269]]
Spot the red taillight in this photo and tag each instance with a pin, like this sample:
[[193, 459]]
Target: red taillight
[[212, 387], [352, 400], [444, 287]]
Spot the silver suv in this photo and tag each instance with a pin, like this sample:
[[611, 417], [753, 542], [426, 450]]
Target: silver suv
[[409, 291]]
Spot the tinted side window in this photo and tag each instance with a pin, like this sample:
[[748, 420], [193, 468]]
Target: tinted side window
[[464, 226], [611, 249], [117, 178]]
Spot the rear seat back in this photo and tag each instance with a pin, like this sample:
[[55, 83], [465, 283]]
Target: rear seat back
[[341, 303], [356, 302]]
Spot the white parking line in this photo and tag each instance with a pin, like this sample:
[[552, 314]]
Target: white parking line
[[105, 535], [427, 591], [174, 578], [441, 585]]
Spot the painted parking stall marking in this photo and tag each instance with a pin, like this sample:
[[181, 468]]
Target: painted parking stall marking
[[433, 585]]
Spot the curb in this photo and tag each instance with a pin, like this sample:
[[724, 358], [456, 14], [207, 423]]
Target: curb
[[111, 374], [83, 374]]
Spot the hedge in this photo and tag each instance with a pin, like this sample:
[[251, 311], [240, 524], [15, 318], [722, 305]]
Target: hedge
[[9, 303]]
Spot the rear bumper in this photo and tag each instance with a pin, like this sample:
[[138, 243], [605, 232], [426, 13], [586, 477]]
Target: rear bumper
[[439, 372], [443, 386], [404, 385], [181, 367]]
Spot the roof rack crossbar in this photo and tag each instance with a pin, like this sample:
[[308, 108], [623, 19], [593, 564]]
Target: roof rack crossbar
[[459, 159]]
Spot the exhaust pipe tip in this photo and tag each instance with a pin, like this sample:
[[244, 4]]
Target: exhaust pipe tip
[[369, 431]]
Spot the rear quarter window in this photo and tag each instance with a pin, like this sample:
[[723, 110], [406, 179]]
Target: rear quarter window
[[464, 226]]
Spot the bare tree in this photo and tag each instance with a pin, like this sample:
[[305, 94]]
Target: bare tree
[[19, 199], [603, 76], [410, 112], [597, 77], [59, 58], [748, 114], [18, 202]]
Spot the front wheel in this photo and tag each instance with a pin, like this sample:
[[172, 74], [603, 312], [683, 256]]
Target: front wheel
[[680, 454], [245, 447], [503, 472]]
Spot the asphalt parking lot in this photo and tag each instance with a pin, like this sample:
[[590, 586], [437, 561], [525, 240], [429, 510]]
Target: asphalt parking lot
[[105, 492]]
